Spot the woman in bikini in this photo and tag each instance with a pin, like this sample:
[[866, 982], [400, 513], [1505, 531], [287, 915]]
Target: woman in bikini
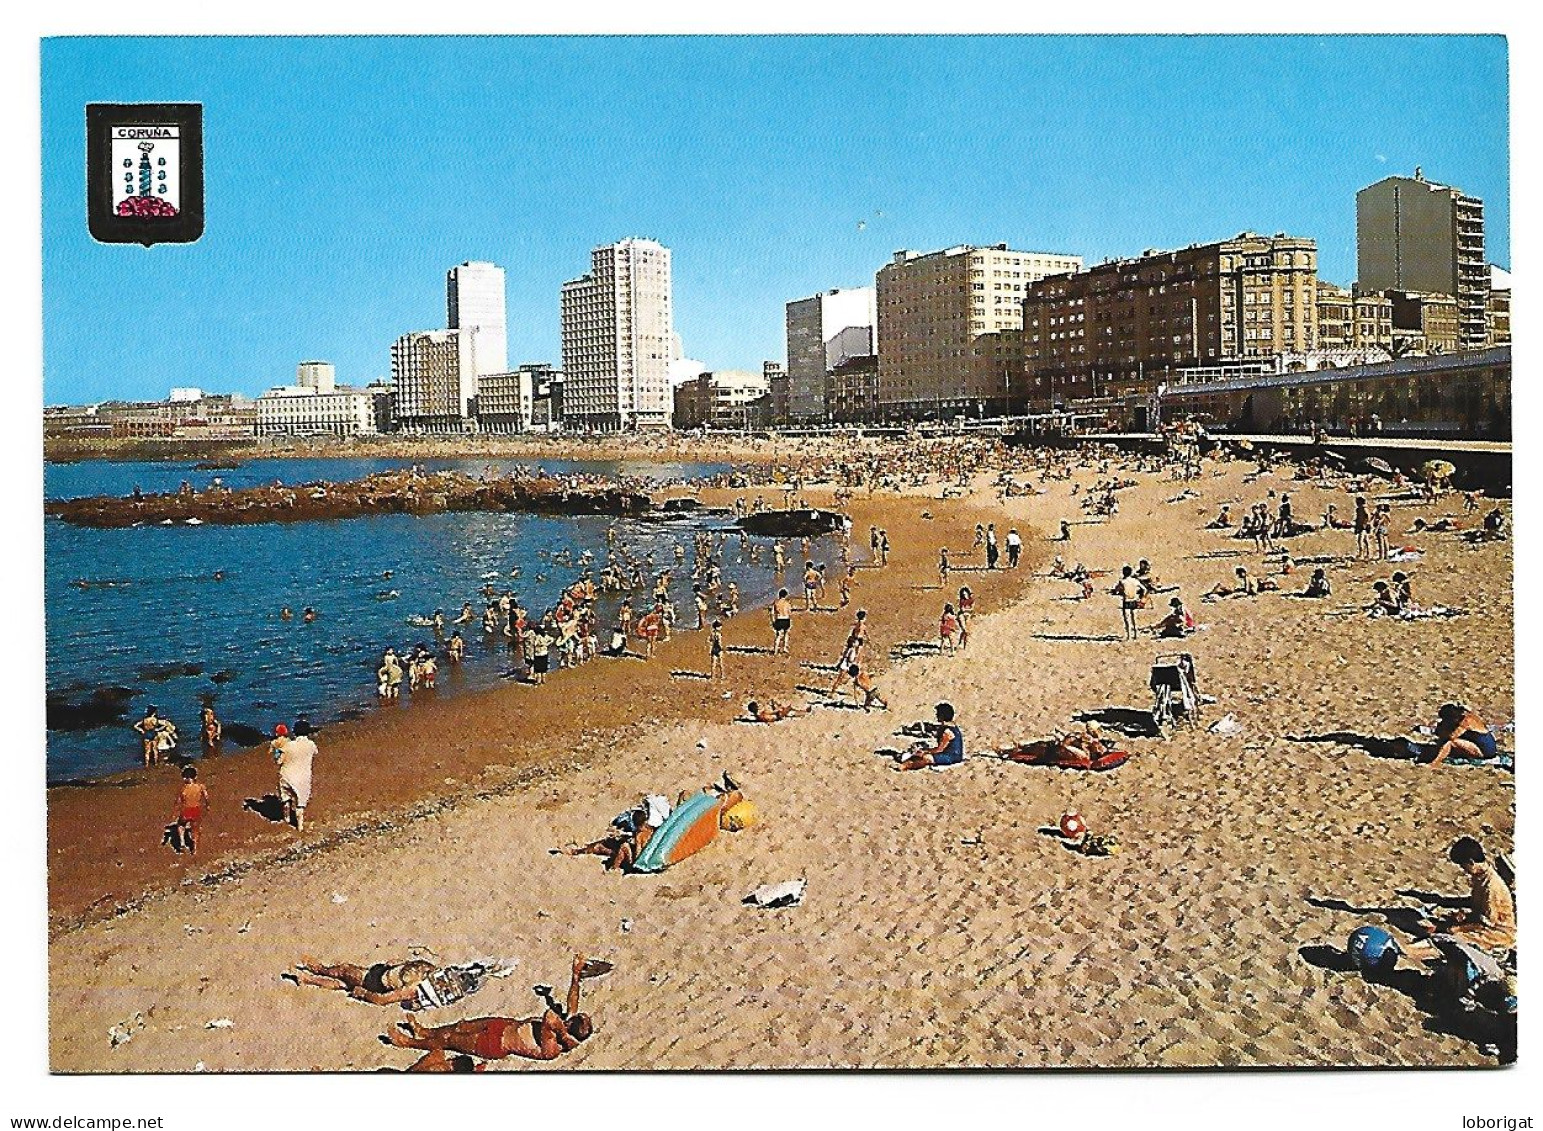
[[560, 1029]]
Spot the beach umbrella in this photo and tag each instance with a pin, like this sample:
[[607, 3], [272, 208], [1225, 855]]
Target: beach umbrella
[[1381, 465], [1437, 469]]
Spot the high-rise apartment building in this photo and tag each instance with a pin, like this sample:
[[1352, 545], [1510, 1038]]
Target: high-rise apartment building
[[426, 370], [474, 305], [822, 331], [950, 328], [1131, 324], [1415, 235], [618, 329]]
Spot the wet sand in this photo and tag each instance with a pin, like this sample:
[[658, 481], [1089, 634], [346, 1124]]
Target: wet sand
[[942, 927], [425, 753]]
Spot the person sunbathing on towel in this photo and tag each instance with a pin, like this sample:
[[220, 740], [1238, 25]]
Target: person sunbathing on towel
[[559, 1029], [414, 984], [628, 834]]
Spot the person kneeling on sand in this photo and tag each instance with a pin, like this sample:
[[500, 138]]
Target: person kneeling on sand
[[1318, 586], [629, 832], [1489, 920], [773, 711], [559, 1029], [946, 750]]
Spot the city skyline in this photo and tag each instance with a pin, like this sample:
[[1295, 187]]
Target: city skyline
[[807, 171]]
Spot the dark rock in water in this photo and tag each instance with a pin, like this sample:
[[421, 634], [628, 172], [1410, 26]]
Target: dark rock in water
[[791, 524], [224, 676], [160, 673], [105, 706], [671, 505], [242, 734]]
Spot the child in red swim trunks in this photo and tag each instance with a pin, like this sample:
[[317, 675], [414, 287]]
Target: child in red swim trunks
[[192, 803]]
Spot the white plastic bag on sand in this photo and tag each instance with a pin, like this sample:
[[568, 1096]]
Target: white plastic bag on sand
[[219, 1023], [787, 894], [1227, 726]]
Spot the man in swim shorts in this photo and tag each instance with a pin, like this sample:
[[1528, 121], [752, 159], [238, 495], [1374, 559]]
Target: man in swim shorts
[[559, 1029]]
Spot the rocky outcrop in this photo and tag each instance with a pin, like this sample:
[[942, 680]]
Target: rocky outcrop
[[385, 493]]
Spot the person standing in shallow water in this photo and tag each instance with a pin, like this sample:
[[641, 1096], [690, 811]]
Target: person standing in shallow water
[[156, 734], [210, 735]]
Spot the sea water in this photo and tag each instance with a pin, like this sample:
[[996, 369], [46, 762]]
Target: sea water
[[167, 628]]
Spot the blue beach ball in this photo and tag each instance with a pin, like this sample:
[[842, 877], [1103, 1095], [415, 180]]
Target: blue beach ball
[[1373, 950]]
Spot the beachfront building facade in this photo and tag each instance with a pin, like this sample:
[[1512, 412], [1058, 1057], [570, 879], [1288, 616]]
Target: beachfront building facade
[[722, 399], [778, 392], [506, 402], [822, 331], [618, 339], [1498, 309], [1460, 395], [1416, 235], [1422, 323], [852, 390], [209, 417], [474, 305], [296, 410], [949, 328], [431, 386], [1130, 325]]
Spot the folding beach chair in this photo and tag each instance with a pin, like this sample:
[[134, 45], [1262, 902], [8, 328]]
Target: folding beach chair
[[1174, 694]]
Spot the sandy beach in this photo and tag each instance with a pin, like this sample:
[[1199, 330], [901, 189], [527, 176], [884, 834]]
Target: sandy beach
[[942, 926]]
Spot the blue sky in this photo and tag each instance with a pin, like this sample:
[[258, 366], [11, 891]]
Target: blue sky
[[345, 175]]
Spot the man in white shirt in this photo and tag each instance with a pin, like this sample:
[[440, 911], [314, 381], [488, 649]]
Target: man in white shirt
[[294, 756], [1014, 548]]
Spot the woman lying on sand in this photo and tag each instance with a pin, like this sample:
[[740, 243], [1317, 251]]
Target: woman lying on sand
[[1246, 586], [559, 1029], [414, 984], [774, 711], [629, 832]]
